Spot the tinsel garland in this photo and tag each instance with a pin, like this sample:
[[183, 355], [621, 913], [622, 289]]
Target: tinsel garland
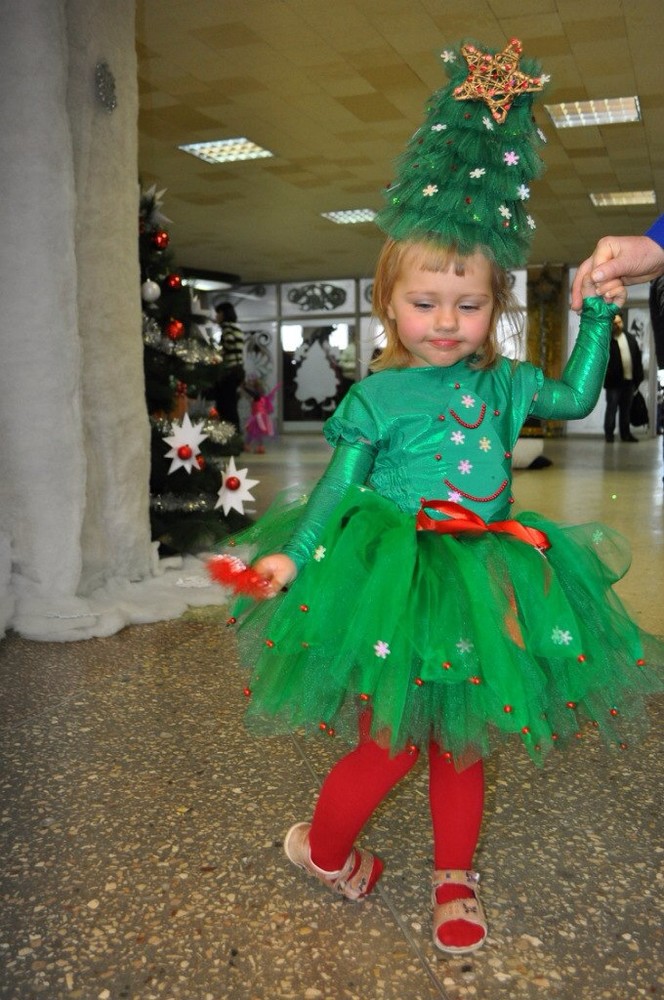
[[190, 351]]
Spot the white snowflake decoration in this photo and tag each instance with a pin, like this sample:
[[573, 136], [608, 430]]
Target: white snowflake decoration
[[430, 190], [505, 212], [458, 437], [488, 123], [485, 444], [235, 488], [511, 158], [477, 172], [184, 441], [319, 553], [597, 536], [382, 649], [448, 55], [523, 192], [454, 496], [465, 467], [468, 400], [464, 645], [531, 222], [561, 637], [438, 127]]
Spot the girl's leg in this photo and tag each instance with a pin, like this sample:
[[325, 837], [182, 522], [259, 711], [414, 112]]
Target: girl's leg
[[457, 802], [351, 792]]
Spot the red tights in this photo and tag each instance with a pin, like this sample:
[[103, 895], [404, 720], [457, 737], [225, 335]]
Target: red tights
[[360, 781]]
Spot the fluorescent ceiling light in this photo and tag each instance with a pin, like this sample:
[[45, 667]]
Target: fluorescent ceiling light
[[622, 198], [350, 215], [604, 111], [226, 150]]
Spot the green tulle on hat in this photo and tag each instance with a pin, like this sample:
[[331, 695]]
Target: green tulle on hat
[[464, 178]]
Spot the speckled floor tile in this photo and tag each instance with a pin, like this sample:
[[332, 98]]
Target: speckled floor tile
[[141, 828]]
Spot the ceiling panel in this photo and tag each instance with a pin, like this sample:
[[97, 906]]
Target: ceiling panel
[[335, 90]]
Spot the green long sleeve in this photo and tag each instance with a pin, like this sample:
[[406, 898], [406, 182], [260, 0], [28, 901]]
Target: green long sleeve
[[575, 394], [350, 465]]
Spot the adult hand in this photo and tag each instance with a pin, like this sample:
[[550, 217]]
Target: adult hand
[[618, 260]]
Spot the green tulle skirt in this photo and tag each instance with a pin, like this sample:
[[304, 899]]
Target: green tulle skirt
[[414, 635]]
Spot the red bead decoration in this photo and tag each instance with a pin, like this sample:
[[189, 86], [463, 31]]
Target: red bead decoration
[[184, 451], [174, 281], [555, 736], [446, 755], [438, 458], [304, 607], [640, 663], [246, 692], [446, 665], [613, 712], [579, 736], [269, 643], [411, 748], [160, 239], [232, 483], [571, 704], [581, 658], [419, 681], [623, 746], [231, 621], [475, 680], [507, 709], [441, 416], [331, 731], [364, 697], [213, 413], [322, 726], [174, 329], [525, 730], [305, 645], [508, 454], [457, 385], [496, 413]]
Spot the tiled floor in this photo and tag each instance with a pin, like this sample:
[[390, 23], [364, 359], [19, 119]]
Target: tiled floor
[[141, 827]]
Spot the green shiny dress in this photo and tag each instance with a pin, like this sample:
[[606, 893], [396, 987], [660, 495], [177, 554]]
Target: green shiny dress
[[467, 634]]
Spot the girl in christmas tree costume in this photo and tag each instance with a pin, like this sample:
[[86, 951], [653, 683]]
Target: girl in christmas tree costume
[[409, 604]]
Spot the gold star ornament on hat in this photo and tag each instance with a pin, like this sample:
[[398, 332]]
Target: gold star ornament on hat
[[495, 79]]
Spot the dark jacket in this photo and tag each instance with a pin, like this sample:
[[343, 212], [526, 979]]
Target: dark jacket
[[614, 373]]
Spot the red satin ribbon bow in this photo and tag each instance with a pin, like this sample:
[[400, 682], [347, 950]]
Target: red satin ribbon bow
[[460, 520]]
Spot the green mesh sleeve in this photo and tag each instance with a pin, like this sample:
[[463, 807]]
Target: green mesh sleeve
[[575, 394], [350, 465]]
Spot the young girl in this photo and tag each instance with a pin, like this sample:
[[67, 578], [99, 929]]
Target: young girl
[[410, 607]]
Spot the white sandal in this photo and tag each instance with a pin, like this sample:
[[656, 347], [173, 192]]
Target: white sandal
[[466, 909], [349, 883]]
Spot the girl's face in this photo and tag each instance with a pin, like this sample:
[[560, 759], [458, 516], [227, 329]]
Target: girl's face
[[443, 317]]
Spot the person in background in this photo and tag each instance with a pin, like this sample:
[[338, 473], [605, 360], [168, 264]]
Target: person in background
[[232, 374], [618, 260], [623, 377]]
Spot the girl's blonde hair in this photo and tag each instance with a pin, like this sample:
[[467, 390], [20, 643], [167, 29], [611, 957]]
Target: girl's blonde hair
[[430, 256]]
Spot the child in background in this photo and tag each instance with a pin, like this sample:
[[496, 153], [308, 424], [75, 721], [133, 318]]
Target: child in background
[[260, 424], [410, 606]]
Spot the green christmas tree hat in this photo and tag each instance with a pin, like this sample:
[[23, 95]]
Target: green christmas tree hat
[[464, 177]]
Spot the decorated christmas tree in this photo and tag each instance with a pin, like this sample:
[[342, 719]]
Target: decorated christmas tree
[[197, 494]]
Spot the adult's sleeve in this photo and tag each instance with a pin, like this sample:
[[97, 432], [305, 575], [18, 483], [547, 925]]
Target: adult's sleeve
[[575, 394], [656, 231]]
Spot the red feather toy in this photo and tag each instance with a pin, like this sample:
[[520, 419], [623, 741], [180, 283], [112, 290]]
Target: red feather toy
[[231, 572]]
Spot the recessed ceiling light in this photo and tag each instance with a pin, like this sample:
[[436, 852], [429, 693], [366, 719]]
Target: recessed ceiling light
[[350, 215], [226, 150], [604, 111], [622, 198]]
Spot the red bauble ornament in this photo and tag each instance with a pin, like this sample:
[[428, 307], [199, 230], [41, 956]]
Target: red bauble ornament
[[232, 483], [160, 239], [213, 413], [200, 462], [174, 281], [184, 451], [174, 329]]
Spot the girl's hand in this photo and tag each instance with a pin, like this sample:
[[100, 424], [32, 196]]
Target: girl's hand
[[611, 291], [278, 570]]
